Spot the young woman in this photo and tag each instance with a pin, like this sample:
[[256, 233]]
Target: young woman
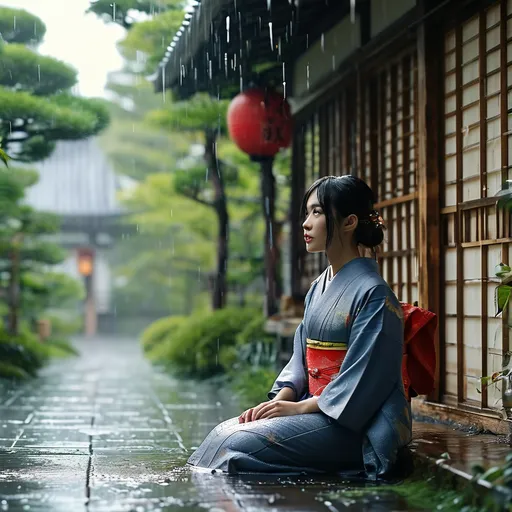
[[339, 404]]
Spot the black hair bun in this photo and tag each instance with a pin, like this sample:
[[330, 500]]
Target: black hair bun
[[369, 234]]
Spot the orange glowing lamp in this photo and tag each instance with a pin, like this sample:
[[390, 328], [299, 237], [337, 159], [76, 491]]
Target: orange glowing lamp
[[85, 262]]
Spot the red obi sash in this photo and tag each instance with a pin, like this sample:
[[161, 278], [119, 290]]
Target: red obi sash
[[324, 358]]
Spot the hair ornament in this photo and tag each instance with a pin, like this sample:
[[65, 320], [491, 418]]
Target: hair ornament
[[377, 219]]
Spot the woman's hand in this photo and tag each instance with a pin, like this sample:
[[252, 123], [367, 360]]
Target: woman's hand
[[277, 408], [249, 415]]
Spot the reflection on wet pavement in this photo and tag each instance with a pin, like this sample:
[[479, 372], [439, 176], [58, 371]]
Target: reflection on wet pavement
[[464, 449], [106, 432]]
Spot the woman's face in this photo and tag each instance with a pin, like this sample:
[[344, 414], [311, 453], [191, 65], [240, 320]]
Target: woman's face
[[315, 228]]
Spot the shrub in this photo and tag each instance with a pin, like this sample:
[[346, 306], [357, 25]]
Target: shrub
[[59, 347], [64, 323], [161, 330], [198, 346], [22, 355]]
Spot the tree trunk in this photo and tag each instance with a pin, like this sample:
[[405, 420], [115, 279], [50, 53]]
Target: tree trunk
[[219, 294], [268, 197], [13, 291]]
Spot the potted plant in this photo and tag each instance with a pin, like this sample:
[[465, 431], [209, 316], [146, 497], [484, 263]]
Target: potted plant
[[501, 299]]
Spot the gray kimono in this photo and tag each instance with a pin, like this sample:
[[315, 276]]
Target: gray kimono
[[365, 417], [367, 396]]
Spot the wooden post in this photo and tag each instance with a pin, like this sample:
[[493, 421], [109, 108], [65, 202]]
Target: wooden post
[[297, 246], [268, 197], [86, 269], [430, 110]]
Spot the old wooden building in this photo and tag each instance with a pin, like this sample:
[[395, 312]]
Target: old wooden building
[[414, 96]]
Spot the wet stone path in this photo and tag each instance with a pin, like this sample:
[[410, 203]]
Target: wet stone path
[[106, 432]]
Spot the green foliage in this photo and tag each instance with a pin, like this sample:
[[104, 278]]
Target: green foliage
[[23, 353], [498, 476], [44, 121], [25, 70], [161, 331], [200, 113], [135, 148], [36, 109], [120, 11], [59, 348], [251, 362], [11, 371], [151, 37], [44, 291], [19, 26], [27, 282], [64, 323], [501, 298], [4, 157], [196, 347], [503, 291]]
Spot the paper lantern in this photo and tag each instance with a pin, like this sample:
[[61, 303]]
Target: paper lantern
[[260, 122]]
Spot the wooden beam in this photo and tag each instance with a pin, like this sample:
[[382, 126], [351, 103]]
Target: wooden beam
[[297, 252], [429, 105]]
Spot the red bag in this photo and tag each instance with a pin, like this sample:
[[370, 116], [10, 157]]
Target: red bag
[[419, 360]]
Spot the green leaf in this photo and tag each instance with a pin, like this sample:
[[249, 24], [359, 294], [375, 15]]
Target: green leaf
[[493, 474], [4, 157], [11, 371], [502, 297], [502, 270]]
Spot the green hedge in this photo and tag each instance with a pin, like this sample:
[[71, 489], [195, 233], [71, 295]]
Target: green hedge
[[160, 331], [231, 341], [199, 346], [23, 355]]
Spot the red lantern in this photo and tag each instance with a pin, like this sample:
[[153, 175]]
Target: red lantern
[[260, 122]]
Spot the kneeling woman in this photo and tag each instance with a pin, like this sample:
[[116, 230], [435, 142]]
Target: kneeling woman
[[339, 404]]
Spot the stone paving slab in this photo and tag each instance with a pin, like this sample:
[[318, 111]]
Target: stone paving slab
[[106, 432]]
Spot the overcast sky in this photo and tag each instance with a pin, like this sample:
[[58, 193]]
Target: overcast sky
[[81, 40]]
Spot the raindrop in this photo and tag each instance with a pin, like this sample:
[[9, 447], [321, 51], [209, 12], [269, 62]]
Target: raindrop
[[14, 23], [38, 72], [163, 85], [271, 35], [307, 76], [322, 42], [227, 29], [269, 4], [113, 11], [333, 62], [353, 11]]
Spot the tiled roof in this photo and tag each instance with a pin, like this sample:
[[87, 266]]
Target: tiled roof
[[76, 180]]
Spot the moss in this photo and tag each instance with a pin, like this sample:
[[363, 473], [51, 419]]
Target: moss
[[425, 493]]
